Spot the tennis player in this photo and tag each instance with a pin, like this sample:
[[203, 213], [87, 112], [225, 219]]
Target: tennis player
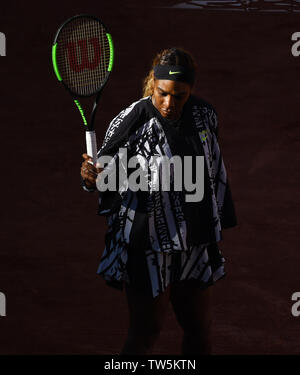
[[158, 245]]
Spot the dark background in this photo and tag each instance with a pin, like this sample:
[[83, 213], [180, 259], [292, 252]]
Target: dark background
[[51, 237]]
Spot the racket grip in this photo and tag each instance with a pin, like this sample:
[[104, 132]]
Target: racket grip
[[91, 144]]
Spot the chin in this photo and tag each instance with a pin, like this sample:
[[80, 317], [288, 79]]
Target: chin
[[169, 116], [172, 117]]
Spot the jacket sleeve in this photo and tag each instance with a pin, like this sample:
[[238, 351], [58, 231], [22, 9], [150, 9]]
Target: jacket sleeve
[[111, 199], [228, 214], [214, 122], [116, 138]]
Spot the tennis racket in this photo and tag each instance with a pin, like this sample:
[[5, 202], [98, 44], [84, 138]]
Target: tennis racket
[[83, 57]]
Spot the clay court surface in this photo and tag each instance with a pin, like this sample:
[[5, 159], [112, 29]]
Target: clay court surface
[[51, 237]]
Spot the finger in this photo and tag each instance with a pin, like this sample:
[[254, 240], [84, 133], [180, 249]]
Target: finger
[[83, 173], [89, 171], [92, 174], [88, 165], [89, 178], [86, 157], [89, 182]]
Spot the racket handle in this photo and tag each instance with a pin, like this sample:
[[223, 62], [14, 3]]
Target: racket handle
[[91, 144]]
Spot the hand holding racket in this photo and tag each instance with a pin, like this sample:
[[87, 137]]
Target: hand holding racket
[[89, 172], [82, 56]]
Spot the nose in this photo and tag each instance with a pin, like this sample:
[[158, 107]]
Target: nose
[[169, 102]]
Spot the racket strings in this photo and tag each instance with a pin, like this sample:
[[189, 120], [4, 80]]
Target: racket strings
[[83, 55]]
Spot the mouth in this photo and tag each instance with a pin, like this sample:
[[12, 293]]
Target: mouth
[[168, 113]]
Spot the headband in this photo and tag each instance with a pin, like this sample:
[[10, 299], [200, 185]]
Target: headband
[[173, 73]]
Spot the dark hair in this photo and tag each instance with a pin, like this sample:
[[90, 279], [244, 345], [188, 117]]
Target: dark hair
[[171, 56]]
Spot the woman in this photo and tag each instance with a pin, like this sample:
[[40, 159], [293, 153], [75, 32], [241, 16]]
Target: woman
[[160, 245]]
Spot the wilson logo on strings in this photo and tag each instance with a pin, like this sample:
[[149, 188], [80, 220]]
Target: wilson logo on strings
[[86, 59], [2, 44]]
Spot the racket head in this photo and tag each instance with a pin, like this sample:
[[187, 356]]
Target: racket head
[[83, 55]]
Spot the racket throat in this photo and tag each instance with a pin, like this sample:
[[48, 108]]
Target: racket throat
[[91, 142], [93, 113]]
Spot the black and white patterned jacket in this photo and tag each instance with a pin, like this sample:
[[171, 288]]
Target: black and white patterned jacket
[[140, 130]]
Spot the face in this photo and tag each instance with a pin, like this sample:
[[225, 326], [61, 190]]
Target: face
[[169, 97]]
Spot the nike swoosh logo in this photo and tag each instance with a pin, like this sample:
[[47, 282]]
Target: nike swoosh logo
[[170, 72], [203, 136]]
